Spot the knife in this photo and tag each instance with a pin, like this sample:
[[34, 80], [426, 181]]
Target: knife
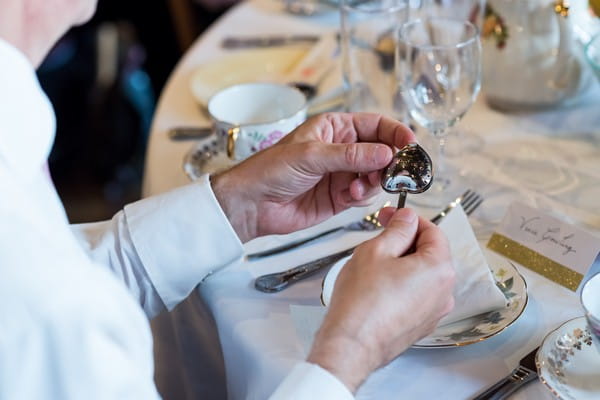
[[235, 42], [180, 133], [524, 373]]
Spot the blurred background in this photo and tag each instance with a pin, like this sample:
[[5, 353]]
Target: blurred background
[[103, 79]]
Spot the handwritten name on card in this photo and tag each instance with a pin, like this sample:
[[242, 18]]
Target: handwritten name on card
[[557, 250]]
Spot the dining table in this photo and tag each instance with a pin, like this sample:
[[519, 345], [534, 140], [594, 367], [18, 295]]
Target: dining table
[[228, 340]]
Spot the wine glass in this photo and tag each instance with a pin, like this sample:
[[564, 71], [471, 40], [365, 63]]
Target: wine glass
[[461, 138], [439, 72]]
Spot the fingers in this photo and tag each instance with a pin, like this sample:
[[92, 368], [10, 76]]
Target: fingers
[[386, 214], [430, 238], [432, 247], [402, 231], [350, 157], [353, 127], [340, 187], [399, 233], [378, 128], [363, 187]]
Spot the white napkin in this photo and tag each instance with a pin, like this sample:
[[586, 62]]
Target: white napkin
[[475, 291]]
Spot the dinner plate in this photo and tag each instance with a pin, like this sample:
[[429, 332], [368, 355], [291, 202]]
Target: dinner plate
[[251, 65], [568, 362], [474, 329]]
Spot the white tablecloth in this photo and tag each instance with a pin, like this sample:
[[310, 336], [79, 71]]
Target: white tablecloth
[[548, 159]]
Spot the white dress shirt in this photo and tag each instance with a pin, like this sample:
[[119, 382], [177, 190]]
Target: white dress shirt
[[74, 300]]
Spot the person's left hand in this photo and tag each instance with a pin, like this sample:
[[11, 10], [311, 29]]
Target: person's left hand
[[328, 164]]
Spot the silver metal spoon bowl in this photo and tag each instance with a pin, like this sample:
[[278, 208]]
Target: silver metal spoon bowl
[[411, 171]]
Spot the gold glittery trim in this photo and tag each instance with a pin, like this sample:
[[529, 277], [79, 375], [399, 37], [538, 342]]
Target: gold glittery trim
[[536, 262]]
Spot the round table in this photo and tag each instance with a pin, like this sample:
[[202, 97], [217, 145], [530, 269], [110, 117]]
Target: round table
[[229, 338]]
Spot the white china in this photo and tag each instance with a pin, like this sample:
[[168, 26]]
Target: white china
[[206, 157], [484, 326], [529, 54], [474, 329], [590, 301], [250, 65], [250, 117], [568, 363]]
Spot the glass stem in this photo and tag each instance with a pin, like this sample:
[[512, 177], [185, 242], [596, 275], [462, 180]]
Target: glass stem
[[441, 159]]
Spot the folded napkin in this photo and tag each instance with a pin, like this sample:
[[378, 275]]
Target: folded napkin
[[475, 291]]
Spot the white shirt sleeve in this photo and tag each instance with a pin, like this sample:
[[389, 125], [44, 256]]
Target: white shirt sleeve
[[163, 246], [308, 382], [68, 328]]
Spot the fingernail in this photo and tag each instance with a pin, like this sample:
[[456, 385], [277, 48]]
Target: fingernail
[[382, 154], [360, 190], [406, 214]]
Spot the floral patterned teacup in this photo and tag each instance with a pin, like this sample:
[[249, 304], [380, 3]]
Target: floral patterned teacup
[[250, 117], [590, 300]]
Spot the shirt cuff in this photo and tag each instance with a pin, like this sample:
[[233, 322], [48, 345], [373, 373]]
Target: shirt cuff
[[181, 237], [309, 381]]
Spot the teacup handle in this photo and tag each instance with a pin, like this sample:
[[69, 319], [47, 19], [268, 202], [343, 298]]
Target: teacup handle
[[232, 135]]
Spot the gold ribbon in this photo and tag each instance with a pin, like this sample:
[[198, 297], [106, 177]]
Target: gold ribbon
[[536, 262]]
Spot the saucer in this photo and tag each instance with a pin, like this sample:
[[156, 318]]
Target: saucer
[[474, 329], [568, 362], [206, 157], [251, 65]]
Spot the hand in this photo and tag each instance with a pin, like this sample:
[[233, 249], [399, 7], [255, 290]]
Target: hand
[[382, 302], [328, 164]]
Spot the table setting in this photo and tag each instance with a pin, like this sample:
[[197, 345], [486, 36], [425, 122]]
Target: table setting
[[504, 138]]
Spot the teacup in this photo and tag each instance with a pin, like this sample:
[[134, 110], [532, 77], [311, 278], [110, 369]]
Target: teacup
[[590, 300], [250, 117]]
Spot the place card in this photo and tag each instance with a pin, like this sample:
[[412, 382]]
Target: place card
[[554, 249]]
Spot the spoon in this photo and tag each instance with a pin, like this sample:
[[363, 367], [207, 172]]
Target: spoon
[[411, 171]]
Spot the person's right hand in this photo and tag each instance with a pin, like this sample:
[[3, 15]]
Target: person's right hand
[[383, 302]]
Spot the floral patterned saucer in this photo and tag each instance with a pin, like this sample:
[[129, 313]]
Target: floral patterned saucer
[[484, 326], [474, 329], [205, 157], [568, 362]]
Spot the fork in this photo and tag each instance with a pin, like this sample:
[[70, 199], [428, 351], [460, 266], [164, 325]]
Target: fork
[[271, 283], [470, 201], [370, 222]]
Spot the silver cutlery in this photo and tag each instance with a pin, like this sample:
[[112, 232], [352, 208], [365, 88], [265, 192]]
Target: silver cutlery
[[235, 42], [278, 281], [525, 372], [411, 171], [369, 222], [182, 133], [469, 200]]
